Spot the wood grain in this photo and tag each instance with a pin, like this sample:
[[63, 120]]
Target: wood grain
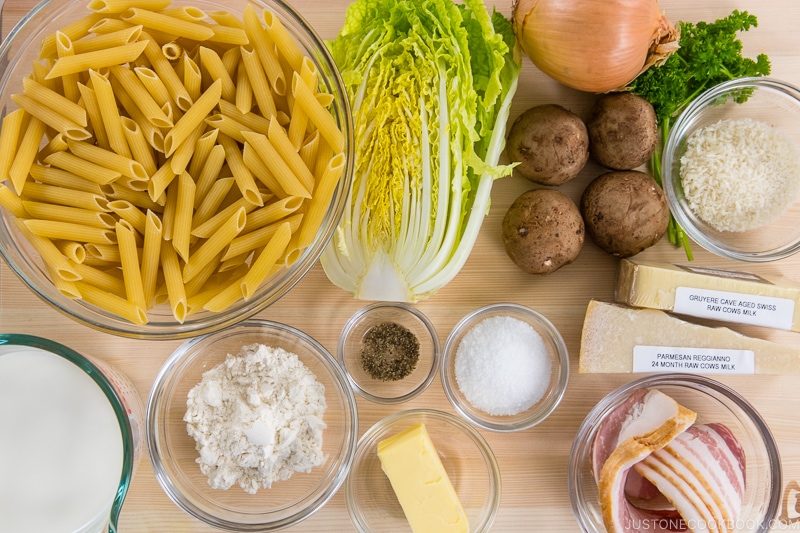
[[533, 463]]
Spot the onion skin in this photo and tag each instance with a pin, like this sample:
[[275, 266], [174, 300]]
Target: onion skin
[[594, 45]]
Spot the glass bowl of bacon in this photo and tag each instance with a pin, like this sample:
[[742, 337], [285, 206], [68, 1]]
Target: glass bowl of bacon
[[674, 452], [171, 168]]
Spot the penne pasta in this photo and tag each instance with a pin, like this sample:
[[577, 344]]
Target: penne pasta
[[287, 179], [177, 91], [308, 152], [97, 59], [264, 50], [272, 212], [94, 114], [130, 213], [49, 253], [214, 244], [210, 172], [74, 31], [51, 117], [141, 149], [57, 144], [111, 303], [110, 39], [65, 213], [118, 6], [180, 159], [55, 101], [317, 114], [73, 251], [202, 149], [12, 202], [26, 154], [250, 121], [283, 145], [244, 92], [141, 97], [318, 206], [124, 166], [284, 43], [131, 272], [57, 230], [153, 84], [225, 297], [166, 23], [184, 209], [193, 118], [258, 81], [243, 176], [210, 226], [104, 252], [266, 260], [226, 126], [10, 135], [247, 242], [63, 196], [173, 280], [61, 178], [140, 199], [160, 181], [211, 202], [213, 65], [109, 25], [109, 113], [81, 167], [298, 122], [151, 255], [100, 279], [260, 171], [192, 77]]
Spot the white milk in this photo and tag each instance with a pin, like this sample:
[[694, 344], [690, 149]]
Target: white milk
[[60, 445]]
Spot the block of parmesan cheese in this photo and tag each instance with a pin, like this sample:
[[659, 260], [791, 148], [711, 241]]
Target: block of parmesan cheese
[[618, 338], [730, 296]]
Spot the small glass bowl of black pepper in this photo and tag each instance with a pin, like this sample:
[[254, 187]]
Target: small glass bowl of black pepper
[[390, 352], [505, 367]]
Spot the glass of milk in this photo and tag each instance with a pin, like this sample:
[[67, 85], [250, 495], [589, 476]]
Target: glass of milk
[[70, 436]]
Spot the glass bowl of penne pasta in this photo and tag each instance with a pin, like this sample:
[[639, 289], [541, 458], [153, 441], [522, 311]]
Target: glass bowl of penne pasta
[[171, 168]]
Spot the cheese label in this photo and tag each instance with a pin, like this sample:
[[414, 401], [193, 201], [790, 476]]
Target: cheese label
[[754, 310], [662, 359]]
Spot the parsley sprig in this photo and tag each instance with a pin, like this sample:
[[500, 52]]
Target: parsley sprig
[[709, 54]]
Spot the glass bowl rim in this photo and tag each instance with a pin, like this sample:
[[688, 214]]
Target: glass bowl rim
[[562, 356]]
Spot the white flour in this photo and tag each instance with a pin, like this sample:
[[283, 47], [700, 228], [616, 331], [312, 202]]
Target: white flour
[[257, 419]]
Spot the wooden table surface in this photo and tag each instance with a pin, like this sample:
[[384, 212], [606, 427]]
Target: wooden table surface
[[533, 463]]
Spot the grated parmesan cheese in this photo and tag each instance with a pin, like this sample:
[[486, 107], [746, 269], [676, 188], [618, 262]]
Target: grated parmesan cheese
[[740, 174]]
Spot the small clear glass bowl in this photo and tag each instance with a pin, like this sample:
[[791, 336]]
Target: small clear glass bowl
[[559, 369], [351, 343], [713, 402], [772, 101], [465, 454], [173, 453], [21, 47]]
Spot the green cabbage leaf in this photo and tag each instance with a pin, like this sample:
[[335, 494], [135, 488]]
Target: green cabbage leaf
[[430, 84]]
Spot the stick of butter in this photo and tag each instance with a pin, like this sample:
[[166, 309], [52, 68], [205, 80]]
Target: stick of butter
[[617, 338], [730, 296], [420, 482]]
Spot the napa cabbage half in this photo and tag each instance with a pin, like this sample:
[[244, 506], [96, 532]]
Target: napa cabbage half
[[430, 84]]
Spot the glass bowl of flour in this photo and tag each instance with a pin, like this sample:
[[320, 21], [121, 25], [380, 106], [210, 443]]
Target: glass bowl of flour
[[252, 428], [504, 367]]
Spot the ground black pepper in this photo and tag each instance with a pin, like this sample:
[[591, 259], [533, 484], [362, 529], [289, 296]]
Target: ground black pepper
[[390, 351]]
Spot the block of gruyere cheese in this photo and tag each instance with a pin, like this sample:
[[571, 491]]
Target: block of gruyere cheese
[[618, 338], [421, 483], [741, 297]]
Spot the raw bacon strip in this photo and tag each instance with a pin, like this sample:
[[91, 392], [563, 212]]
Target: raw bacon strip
[[702, 472], [651, 422]]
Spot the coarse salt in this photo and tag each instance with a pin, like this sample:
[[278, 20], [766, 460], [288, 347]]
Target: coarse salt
[[502, 366]]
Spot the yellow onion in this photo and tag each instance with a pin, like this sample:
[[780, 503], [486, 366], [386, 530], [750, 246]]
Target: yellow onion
[[594, 45]]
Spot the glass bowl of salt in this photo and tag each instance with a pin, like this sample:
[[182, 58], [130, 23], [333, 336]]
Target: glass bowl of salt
[[504, 367]]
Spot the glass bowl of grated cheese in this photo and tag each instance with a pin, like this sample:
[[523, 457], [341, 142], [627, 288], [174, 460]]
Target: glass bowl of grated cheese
[[252, 428], [504, 367], [731, 169]]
